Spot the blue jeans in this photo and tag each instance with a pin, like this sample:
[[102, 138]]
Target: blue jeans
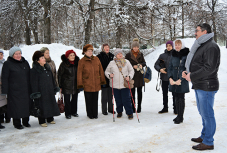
[[123, 98], [205, 103]]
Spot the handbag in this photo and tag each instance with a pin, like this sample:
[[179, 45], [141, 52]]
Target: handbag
[[35, 109], [60, 103]]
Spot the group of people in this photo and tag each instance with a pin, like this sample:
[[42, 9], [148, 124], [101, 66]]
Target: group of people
[[22, 87]]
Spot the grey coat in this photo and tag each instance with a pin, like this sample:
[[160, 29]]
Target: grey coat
[[3, 100], [16, 85], [44, 89]]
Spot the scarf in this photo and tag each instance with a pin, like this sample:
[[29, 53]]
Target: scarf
[[120, 63], [202, 39], [135, 53]]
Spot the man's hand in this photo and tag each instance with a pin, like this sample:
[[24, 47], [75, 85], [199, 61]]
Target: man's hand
[[111, 75], [188, 78], [127, 78], [171, 81], [163, 70], [184, 74]]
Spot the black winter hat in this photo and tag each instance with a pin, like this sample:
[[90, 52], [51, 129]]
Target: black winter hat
[[37, 55]]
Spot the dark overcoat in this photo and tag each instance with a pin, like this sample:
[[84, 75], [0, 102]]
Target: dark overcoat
[[105, 60], [16, 85], [176, 67], [138, 76], [44, 89], [67, 75]]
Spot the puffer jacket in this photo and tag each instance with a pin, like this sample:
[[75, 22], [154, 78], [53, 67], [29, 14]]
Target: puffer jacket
[[204, 67], [67, 75], [118, 80]]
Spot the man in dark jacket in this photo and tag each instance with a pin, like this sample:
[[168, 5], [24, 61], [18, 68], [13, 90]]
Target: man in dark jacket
[[161, 66], [201, 68], [105, 57]]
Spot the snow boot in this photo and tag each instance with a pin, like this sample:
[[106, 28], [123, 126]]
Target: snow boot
[[180, 111], [119, 115], [130, 117]]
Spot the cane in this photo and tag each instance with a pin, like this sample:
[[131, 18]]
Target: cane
[[113, 100], [133, 102]]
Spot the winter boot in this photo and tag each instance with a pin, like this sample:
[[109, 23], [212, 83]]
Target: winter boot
[[176, 107], [130, 117], [1, 127], [164, 110], [119, 115], [180, 111]]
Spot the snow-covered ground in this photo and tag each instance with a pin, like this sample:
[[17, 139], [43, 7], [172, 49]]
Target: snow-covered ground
[[155, 132]]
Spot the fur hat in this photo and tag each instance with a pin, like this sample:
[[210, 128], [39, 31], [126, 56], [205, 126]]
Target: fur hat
[[117, 51], [1, 51], [104, 46], [13, 50], [135, 43], [69, 52], [37, 55], [87, 47], [169, 42], [43, 49]]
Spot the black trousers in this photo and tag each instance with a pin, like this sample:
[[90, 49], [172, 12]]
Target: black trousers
[[70, 101], [17, 121], [43, 120], [4, 116], [139, 96], [91, 100], [165, 89], [106, 98]]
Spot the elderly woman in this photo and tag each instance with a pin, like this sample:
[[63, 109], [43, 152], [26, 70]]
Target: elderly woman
[[117, 70], [178, 85], [67, 79], [43, 89], [50, 62], [16, 85], [90, 76], [137, 60]]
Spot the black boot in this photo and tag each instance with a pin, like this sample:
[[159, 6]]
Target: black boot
[[180, 111], [1, 127], [164, 110], [176, 107]]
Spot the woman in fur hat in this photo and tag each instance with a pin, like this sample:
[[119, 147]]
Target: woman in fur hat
[[50, 62], [118, 69], [43, 89], [16, 85], [178, 85], [138, 62], [67, 79], [90, 76]]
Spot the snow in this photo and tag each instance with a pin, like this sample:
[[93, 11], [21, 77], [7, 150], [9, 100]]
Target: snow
[[155, 132]]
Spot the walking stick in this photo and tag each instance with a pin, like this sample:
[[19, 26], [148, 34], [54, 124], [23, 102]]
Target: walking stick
[[113, 100], [133, 102]]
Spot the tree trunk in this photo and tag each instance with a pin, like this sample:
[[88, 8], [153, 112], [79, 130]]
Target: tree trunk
[[35, 31], [88, 25], [118, 37], [182, 20]]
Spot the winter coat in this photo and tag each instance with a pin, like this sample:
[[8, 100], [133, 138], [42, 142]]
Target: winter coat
[[67, 75], [3, 100], [166, 56], [44, 89], [90, 75], [118, 80], [204, 67], [138, 76], [53, 69], [105, 60], [175, 69], [16, 85]]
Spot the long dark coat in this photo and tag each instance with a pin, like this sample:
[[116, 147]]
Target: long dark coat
[[105, 60], [44, 89], [67, 75], [176, 67], [138, 76], [16, 84]]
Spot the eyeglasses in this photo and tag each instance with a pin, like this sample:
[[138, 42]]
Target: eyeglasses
[[197, 30]]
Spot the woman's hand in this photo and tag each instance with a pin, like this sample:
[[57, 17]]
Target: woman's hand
[[171, 81], [127, 78], [135, 66], [111, 75], [140, 66], [163, 70], [178, 82]]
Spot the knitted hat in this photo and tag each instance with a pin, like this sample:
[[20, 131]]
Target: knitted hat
[[117, 51], [1, 51], [69, 52], [87, 47], [135, 43], [13, 50], [43, 49], [104, 46], [169, 42], [37, 55]]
